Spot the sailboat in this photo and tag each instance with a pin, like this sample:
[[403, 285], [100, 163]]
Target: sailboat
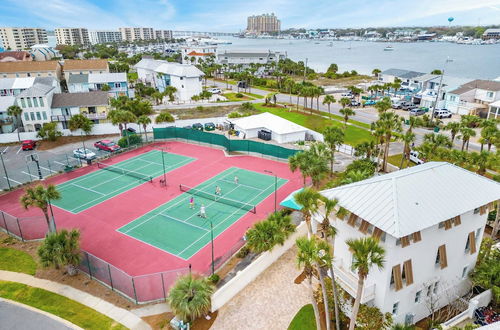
[[388, 48]]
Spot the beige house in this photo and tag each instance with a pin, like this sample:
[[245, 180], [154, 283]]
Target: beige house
[[30, 69], [71, 67]]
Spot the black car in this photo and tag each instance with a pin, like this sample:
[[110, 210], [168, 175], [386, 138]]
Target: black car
[[197, 126]]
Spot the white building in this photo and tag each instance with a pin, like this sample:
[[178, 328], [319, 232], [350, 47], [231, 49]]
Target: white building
[[430, 86], [193, 54], [116, 81], [21, 38], [246, 57], [473, 97], [408, 78], [430, 220], [35, 102], [281, 130], [104, 36], [44, 52], [72, 36], [163, 35], [187, 79], [137, 33]]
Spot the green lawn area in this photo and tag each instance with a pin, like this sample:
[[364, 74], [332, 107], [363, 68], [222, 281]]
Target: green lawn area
[[396, 161], [16, 261], [255, 96], [53, 303], [231, 97], [353, 135], [132, 76], [304, 319]]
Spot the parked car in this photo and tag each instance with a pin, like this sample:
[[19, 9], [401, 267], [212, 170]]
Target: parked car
[[28, 144], [401, 105], [417, 112], [107, 145], [369, 102], [209, 127], [131, 130], [214, 90], [83, 154], [414, 157], [347, 94], [197, 126], [355, 103], [442, 113]]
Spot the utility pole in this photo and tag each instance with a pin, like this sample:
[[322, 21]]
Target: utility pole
[[439, 89], [164, 170], [305, 70], [5, 170], [212, 240]]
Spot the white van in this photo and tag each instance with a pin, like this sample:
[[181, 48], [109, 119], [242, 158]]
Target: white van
[[414, 157]]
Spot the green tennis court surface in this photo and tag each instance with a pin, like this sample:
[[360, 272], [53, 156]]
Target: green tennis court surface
[[91, 189], [176, 228]]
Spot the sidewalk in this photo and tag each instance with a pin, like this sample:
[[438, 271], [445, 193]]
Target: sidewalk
[[123, 316]]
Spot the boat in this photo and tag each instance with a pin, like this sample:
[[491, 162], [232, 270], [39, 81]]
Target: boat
[[330, 44], [388, 48]]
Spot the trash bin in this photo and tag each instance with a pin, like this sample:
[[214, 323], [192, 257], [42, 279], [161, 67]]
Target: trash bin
[[407, 122], [436, 129]]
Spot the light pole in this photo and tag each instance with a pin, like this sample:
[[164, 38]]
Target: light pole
[[439, 87], [163, 163], [212, 240], [275, 189], [305, 69], [5, 170]]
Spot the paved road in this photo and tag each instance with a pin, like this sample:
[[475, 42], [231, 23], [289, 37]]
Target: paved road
[[15, 317]]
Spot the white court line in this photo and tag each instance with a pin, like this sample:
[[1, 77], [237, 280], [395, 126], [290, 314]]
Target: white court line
[[36, 177], [48, 169], [224, 220], [91, 190], [170, 207], [240, 184], [55, 161], [5, 150], [13, 180], [20, 148], [187, 223]]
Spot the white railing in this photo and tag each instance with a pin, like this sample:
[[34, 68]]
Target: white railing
[[349, 282], [481, 300]]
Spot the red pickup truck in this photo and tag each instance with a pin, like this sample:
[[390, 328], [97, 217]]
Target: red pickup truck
[[28, 144]]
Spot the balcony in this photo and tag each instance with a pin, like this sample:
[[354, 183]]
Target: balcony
[[95, 116], [6, 121], [349, 282]]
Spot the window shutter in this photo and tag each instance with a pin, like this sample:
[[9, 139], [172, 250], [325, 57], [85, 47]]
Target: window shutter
[[472, 242], [398, 281], [352, 219], [377, 233], [457, 220], [408, 272], [482, 210], [417, 237], [447, 224], [364, 227], [405, 241], [443, 261]]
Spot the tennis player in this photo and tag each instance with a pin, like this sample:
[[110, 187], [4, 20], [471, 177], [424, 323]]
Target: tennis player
[[191, 202], [203, 213], [218, 191], [236, 179]]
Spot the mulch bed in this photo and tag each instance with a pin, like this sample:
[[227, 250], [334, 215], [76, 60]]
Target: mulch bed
[[47, 145]]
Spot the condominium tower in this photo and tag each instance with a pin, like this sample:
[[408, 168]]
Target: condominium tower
[[163, 34], [72, 36], [19, 38], [104, 37], [137, 33], [265, 23]]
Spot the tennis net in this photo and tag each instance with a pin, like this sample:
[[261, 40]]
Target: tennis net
[[219, 199], [122, 171]]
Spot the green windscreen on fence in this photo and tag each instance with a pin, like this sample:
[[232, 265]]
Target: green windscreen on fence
[[220, 140]]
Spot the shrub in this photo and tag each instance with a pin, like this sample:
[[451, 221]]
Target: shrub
[[61, 249], [132, 139], [200, 108], [243, 252], [239, 95], [214, 278], [49, 131]]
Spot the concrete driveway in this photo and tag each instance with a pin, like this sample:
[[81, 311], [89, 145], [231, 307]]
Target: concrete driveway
[[16, 317]]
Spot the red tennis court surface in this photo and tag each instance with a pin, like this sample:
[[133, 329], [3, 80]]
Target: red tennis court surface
[[99, 224]]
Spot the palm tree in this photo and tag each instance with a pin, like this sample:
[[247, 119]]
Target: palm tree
[[317, 162], [334, 137], [408, 139], [489, 134], [345, 101], [190, 297], [466, 134], [328, 100], [437, 141], [414, 122], [157, 96], [264, 235], [306, 256], [299, 161], [389, 123], [144, 121], [308, 198], [454, 128], [355, 176], [366, 254], [482, 160], [122, 118], [383, 105], [16, 111], [396, 85], [61, 249], [164, 117], [41, 197], [170, 92], [375, 72], [82, 123], [347, 112], [366, 149]]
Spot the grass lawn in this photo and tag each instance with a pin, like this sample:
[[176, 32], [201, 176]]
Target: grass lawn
[[353, 135], [231, 97], [304, 319], [255, 96], [52, 303], [16, 261], [396, 161], [132, 76]]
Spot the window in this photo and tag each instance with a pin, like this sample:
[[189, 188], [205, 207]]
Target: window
[[32, 115], [398, 241], [41, 101], [467, 244], [418, 296], [30, 105], [408, 272], [489, 95], [182, 86], [44, 115], [396, 278], [429, 290], [435, 287], [453, 98], [464, 272], [117, 85], [38, 116], [478, 232], [26, 116], [395, 308], [476, 211], [441, 225], [182, 78], [28, 74], [441, 258], [35, 102], [23, 103]]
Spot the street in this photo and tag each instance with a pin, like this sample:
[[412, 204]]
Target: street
[[16, 317]]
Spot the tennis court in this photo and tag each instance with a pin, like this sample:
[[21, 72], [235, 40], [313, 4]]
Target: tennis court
[[113, 179], [177, 228]]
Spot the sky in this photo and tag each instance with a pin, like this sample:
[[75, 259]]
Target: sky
[[230, 15]]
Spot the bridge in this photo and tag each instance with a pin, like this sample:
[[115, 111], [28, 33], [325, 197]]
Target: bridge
[[202, 34]]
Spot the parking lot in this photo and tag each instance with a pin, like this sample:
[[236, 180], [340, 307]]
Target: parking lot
[[20, 169]]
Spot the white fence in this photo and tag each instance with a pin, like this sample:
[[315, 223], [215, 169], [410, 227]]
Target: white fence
[[250, 273], [481, 300]]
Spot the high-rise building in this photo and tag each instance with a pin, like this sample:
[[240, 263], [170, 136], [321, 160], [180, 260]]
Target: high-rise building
[[104, 37], [265, 23], [137, 33], [163, 34], [72, 36], [20, 38]]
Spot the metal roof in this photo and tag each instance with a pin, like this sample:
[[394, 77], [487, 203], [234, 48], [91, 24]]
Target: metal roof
[[416, 198], [400, 73], [99, 78], [269, 121], [78, 78], [36, 90], [171, 68], [86, 99], [6, 101]]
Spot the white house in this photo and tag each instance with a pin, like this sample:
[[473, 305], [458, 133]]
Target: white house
[[473, 97], [193, 54], [247, 57], [494, 110], [93, 105], [281, 130], [430, 220], [408, 78], [186, 78], [430, 85], [35, 102], [117, 82], [44, 52], [14, 86]]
